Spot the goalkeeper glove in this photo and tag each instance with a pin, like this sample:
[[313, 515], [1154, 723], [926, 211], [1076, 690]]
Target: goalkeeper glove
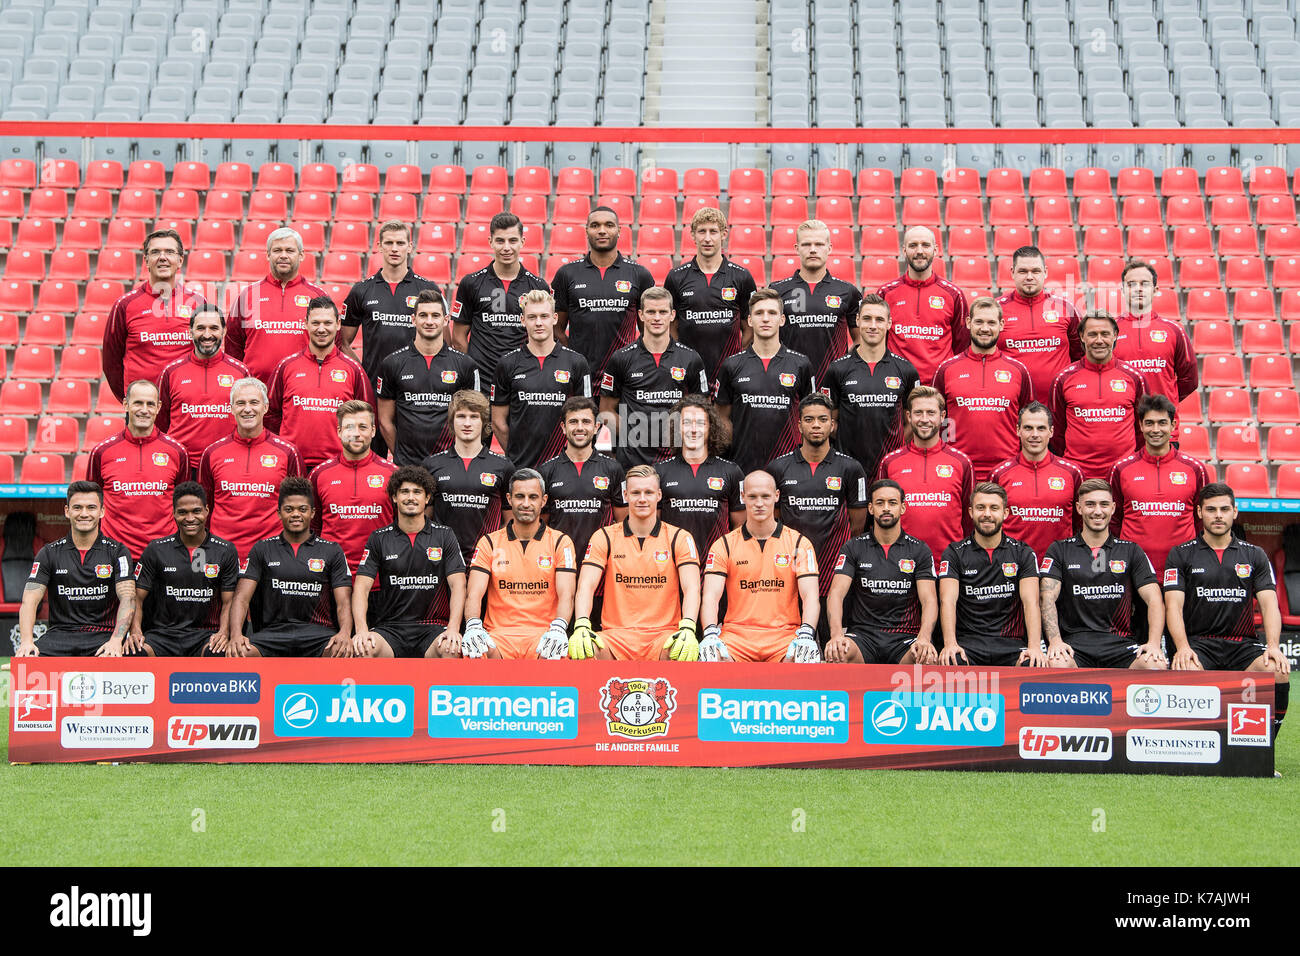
[[682, 646], [475, 641], [712, 648], [803, 649], [555, 642], [585, 641]]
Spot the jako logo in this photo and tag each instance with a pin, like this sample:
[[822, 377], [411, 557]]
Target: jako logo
[[503, 712], [1093, 700], [794, 716], [75, 909], [1065, 743], [213, 733], [344, 710], [956, 720]]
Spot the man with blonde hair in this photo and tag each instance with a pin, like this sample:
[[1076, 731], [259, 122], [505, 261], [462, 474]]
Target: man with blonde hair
[[820, 309]]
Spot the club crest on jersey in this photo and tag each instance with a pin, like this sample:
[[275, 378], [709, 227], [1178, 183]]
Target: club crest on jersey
[[211, 570], [545, 562], [907, 565], [601, 482], [729, 294], [1009, 569], [1045, 566], [449, 377], [936, 302], [1118, 385], [1118, 567], [833, 301], [833, 483], [338, 375], [1002, 375], [943, 567], [375, 481], [316, 564], [623, 285], [716, 484], [1051, 317], [637, 708], [269, 461], [1159, 336], [103, 570], [1171, 575], [1243, 570], [410, 302], [787, 379], [678, 373], [160, 459], [489, 480], [893, 381], [521, 302], [562, 375], [781, 560], [183, 311], [839, 563], [225, 381], [435, 554], [1056, 484], [1178, 477], [661, 556], [943, 471], [301, 301]]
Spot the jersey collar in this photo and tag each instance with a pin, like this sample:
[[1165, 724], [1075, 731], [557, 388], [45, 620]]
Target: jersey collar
[[627, 529], [296, 280], [360, 462], [1035, 465], [982, 356], [259, 437], [1110, 363], [208, 362], [694, 263], [153, 434], [920, 283], [1027, 299], [511, 536], [1169, 456], [744, 531]]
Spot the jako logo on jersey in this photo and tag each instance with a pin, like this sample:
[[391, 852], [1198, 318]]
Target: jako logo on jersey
[[300, 300], [316, 564], [781, 560], [637, 708], [488, 479], [1056, 484], [787, 379], [728, 294], [449, 377], [622, 285], [562, 375], [1178, 477], [661, 556], [943, 471], [1065, 743], [344, 710], [435, 554], [1171, 576], [1243, 570], [1118, 567], [103, 570], [907, 565], [955, 720], [893, 381], [1158, 336], [545, 562], [338, 375], [1009, 569], [211, 570], [270, 461], [833, 483], [715, 484], [1001, 375], [160, 459], [601, 482], [410, 302], [833, 301], [936, 302], [678, 374], [1248, 725]]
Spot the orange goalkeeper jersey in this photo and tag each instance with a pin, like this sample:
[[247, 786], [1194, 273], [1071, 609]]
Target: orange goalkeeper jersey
[[642, 589], [762, 576], [521, 590]]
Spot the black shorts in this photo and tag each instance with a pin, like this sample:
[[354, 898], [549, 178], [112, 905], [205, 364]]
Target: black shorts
[[1103, 650], [1216, 654], [192, 644], [409, 640], [56, 642], [994, 652], [880, 648], [306, 640]]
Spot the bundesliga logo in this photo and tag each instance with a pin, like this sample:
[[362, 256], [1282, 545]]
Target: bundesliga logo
[[839, 563], [225, 381], [607, 381], [943, 567], [601, 482], [300, 301], [1045, 566], [833, 483], [410, 302], [637, 708], [708, 563], [622, 285], [449, 377], [1243, 570], [728, 294], [943, 471], [269, 461], [893, 381], [1178, 477], [375, 481], [435, 554], [1002, 376], [103, 570], [907, 565], [1009, 569], [339, 375], [544, 562], [936, 302], [661, 556], [1159, 336], [678, 374], [365, 554], [1171, 576], [782, 560], [833, 301], [211, 570], [562, 375], [316, 564], [787, 379], [489, 480], [1118, 567], [1056, 484], [716, 484], [160, 458]]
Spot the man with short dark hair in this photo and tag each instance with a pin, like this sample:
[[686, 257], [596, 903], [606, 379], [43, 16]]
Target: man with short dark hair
[[351, 488], [701, 489], [1040, 486], [820, 309], [1040, 329], [929, 311], [1156, 346], [584, 489]]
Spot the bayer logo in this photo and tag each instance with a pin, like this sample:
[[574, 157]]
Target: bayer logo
[[1146, 700], [81, 687], [638, 709], [300, 711], [889, 718]]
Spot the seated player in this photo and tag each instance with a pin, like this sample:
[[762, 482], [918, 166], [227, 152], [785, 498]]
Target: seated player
[[184, 584], [522, 579], [1088, 585], [88, 579], [421, 579], [888, 577], [296, 593], [651, 573], [769, 574]]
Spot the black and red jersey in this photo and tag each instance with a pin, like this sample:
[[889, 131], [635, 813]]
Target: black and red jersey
[[1099, 586], [412, 572], [351, 501], [700, 498], [815, 500], [937, 484], [1042, 333], [194, 400], [145, 333], [1155, 499], [929, 321], [471, 493], [819, 318], [242, 479], [81, 588], [137, 476], [305, 394], [535, 388], [268, 322], [984, 393], [711, 309], [600, 305], [492, 311], [647, 385], [764, 396], [882, 598], [1159, 349], [1040, 499], [420, 387], [868, 398], [185, 587], [1094, 408], [1218, 588], [581, 495], [382, 311], [295, 583], [988, 604]]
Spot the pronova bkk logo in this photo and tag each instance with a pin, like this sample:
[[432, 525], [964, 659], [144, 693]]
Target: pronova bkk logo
[[344, 710], [503, 711], [199, 687], [1093, 700], [951, 719], [778, 716], [637, 707]]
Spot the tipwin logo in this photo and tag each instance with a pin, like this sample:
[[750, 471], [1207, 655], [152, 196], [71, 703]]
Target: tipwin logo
[[1065, 743], [1249, 725], [212, 733], [638, 708]]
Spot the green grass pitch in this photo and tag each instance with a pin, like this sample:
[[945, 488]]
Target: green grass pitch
[[197, 815]]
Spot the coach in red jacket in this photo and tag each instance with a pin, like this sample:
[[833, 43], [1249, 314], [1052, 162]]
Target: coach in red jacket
[[929, 312]]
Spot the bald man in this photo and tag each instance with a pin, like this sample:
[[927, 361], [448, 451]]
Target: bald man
[[929, 312]]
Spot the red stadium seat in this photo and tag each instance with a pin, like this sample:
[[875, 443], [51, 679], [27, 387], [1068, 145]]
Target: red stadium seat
[[1271, 371], [27, 265], [659, 267], [875, 181], [531, 209], [918, 181], [1203, 304], [350, 237], [790, 182], [1267, 180], [1004, 181], [1223, 181], [43, 470], [101, 294], [1097, 211], [575, 181], [747, 241], [1262, 338], [1279, 405], [1192, 241], [228, 204], [1189, 409], [33, 362], [1135, 181], [19, 397], [1229, 210], [276, 177], [207, 265], [488, 179], [48, 204], [571, 209], [448, 179], [789, 265], [1198, 273], [404, 178], [1269, 211], [80, 466], [1047, 181], [184, 176], [1058, 241], [962, 241], [961, 181], [838, 211], [1238, 241], [442, 207], [141, 204], [963, 211], [236, 176], [179, 204], [1248, 480], [1283, 443], [125, 233], [471, 262], [529, 260], [746, 181], [8, 329], [1009, 211], [1091, 181], [476, 238], [336, 291], [1146, 241], [1244, 271], [265, 204], [71, 264], [342, 267], [834, 182], [661, 210], [1194, 440], [786, 239], [12, 204], [35, 234], [45, 329], [356, 206], [98, 428], [1229, 405], [659, 181], [431, 265], [756, 266], [872, 211], [434, 237], [700, 181], [479, 208], [746, 209], [789, 210], [81, 361], [215, 234], [13, 433], [877, 271], [255, 234], [1281, 241], [1007, 239], [1210, 338], [921, 211], [1103, 241], [1223, 371], [1140, 211], [18, 173], [617, 180], [15, 296], [1238, 443], [1063, 271], [1104, 273], [55, 435], [1288, 481], [314, 206], [1291, 311], [7, 474], [1179, 181], [250, 266], [61, 173], [534, 180], [92, 204], [971, 272], [1185, 211], [693, 204], [59, 295], [1286, 273]]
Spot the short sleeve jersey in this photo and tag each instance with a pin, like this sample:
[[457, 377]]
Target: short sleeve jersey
[[492, 311], [581, 496], [762, 576], [185, 587], [601, 305], [642, 586], [818, 318], [869, 398], [536, 389], [295, 585], [646, 386], [815, 501], [412, 573], [1098, 585], [700, 498], [711, 309], [988, 603], [1219, 590], [764, 396], [382, 311], [521, 576], [420, 388], [471, 494], [81, 590], [882, 596]]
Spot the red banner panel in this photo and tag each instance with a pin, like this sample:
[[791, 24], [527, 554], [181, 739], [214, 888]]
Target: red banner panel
[[665, 714]]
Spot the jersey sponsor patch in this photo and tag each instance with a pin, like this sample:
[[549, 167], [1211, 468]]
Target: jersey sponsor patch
[[1243, 570], [1001, 375], [943, 567], [1178, 477], [708, 563], [833, 483], [1171, 576], [623, 285], [301, 301], [943, 471], [139, 565], [893, 381], [716, 484], [907, 565], [103, 570], [211, 570], [1159, 336], [936, 302], [455, 309], [545, 562], [338, 375], [1045, 566], [1056, 484], [160, 459], [449, 377], [1118, 567], [601, 482], [375, 481], [225, 381], [365, 555], [1009, 569], [729, 294], [410, 302], [839, 563], [787, 379], [316, 564], [269, 461], [678, 373], [607, 381], [833, 301], [435, 554], [562, 375], [488, 479]]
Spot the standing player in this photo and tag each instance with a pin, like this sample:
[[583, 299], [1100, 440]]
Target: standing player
[[1040, 487], [596, 296], [296, 593], [650, 572], [1156, 488], [471, 478], [988, 592], [416, 383], [306, 389], [937, 479], [148, 328], [266, 320], [88, 579], [1040, 330], [421, 577], [1212, 584], [984, 389], [768, 573], [868, 387], [1155, 346], [137, 470], [184, 585], [584, 489], [644, 380], [489, 303], [1089, 585], [528, 591], [888, 578], [757, 391], [1095, 401], [194, 391], [710, 293], [241, 473], [819, 309], [929, 312], [351, 489], [531, 384], [701, 491]]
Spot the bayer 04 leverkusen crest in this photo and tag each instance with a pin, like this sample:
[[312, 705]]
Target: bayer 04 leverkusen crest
[[638, 708]]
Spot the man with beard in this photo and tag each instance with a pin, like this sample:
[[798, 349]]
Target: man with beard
[[584, 489], [351, 488], [819, 308], [929, 312], [888, 578], [1155, 346], [1040, 330], [1040, 486], [701, 491]]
